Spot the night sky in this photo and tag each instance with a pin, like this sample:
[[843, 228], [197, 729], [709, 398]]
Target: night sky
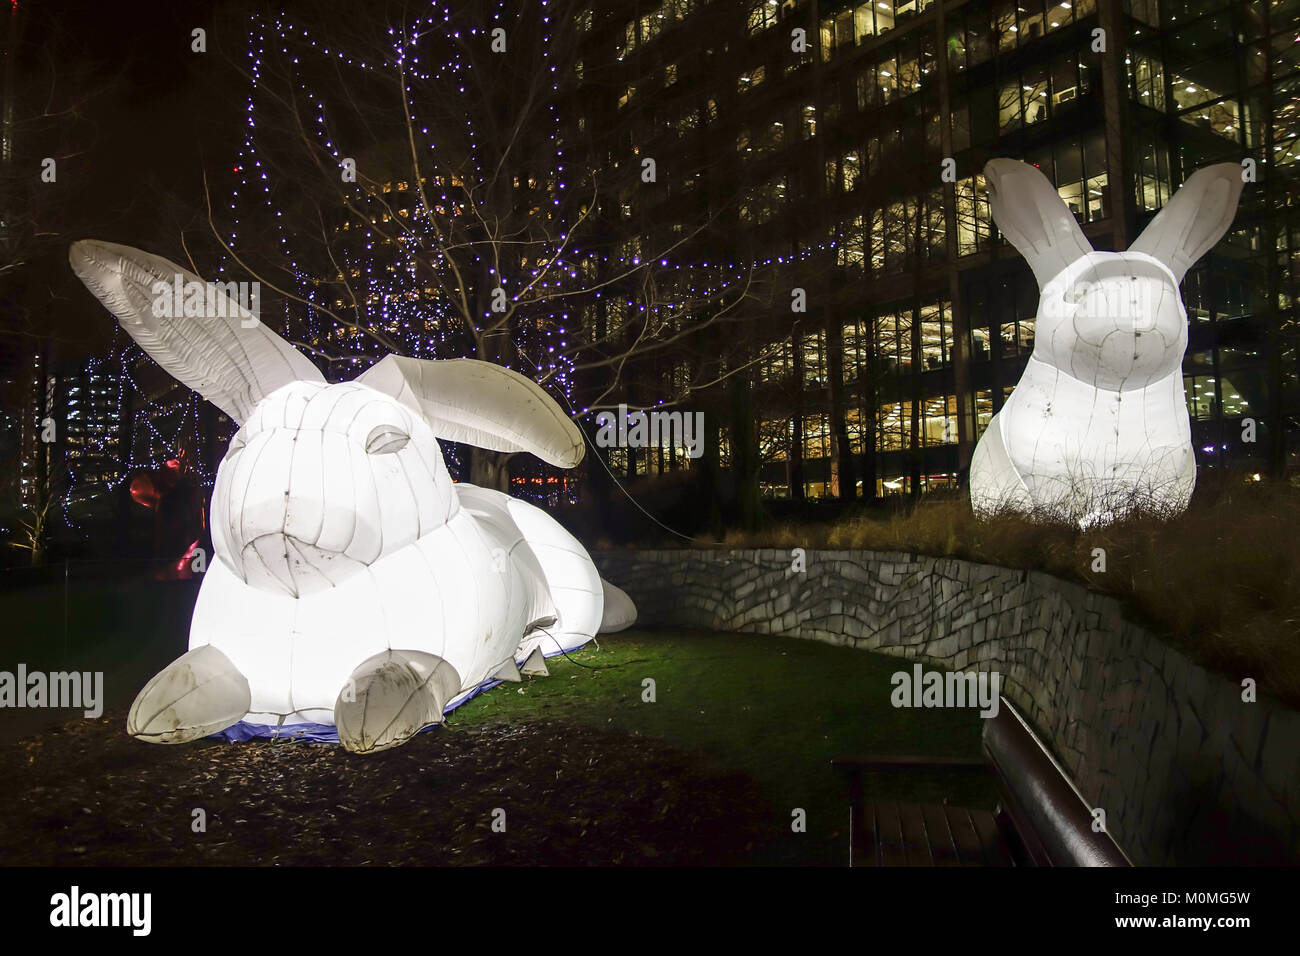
[[158, 114]]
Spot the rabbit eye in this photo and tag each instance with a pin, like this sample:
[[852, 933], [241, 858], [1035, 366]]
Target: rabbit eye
[[1076, 292], [386, 439]]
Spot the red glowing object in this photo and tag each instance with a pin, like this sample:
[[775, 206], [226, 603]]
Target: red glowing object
[[183, 565], [144, 491]]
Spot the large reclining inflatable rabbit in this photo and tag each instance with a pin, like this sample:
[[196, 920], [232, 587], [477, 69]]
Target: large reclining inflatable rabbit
[[1098, 424], [354, 584]]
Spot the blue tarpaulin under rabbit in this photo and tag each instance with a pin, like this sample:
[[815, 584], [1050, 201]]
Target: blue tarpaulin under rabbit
[[356, 589]]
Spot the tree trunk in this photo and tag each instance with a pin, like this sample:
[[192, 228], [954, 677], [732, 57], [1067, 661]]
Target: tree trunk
[[490, 469], [744, 454]]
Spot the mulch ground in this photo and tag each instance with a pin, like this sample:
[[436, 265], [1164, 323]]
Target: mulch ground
[[87, 794]]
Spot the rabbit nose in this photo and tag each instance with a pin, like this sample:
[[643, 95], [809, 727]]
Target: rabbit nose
[[260, 517]]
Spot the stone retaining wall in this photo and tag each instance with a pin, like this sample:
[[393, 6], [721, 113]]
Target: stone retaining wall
[[1186, 771]]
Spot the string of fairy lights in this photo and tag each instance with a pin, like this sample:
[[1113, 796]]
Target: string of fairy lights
[[553, 296]]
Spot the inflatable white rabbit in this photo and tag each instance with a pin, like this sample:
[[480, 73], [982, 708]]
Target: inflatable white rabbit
[[354, 584], [1098, 424]]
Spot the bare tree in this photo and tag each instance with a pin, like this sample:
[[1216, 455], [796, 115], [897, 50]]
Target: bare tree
[[484, 219], [34, 515]]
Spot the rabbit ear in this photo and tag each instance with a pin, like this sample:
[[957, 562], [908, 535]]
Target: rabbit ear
[[1194, 219], [1030, 213], [230, 365], [480, 404]]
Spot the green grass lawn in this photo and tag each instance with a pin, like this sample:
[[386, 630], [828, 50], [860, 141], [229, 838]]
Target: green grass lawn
[[773, 708]]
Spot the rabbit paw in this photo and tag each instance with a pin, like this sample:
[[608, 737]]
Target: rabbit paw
[[199, 693]]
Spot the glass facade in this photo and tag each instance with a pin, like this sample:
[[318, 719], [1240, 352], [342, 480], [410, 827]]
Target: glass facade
[[863, 159]]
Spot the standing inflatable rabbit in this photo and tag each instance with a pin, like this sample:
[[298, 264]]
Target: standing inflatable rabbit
[[1097, 426], [354, 584]]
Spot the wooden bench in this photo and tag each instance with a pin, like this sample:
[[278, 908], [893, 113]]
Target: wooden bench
[[1041, 818]]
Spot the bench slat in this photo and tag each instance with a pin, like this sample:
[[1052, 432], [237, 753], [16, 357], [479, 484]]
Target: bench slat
[[943, 845], [969, 850], [916, 841], [995, 848], [909, 834], [889, 836]]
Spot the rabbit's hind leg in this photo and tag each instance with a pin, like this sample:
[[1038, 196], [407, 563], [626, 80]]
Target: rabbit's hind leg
[[391, 697]]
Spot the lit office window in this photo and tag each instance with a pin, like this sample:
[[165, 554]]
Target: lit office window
[[894, 426], [936, 334], [856, 344], [983, 410], [772, 137], [808, 122], [1004, 25], [850, 170], [1032, 23], [775, 438], [939, 421], [1189, 92], [1222, 118], [886, 80], [1097, 184], [842, 31], [776, 364], [1232, 403], [816, 437], [814, 359], [936, 227], [864, 19], [956, 44], [762, 14], [974, 223], [1196, 294], [874, 241], [885, 12], [1058, 14], [850, 241], [1034, 93], [1201, 400], [651, 24], [899, 233], [1010, 106], [855, 424], [1146, 80], [894, 340]]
